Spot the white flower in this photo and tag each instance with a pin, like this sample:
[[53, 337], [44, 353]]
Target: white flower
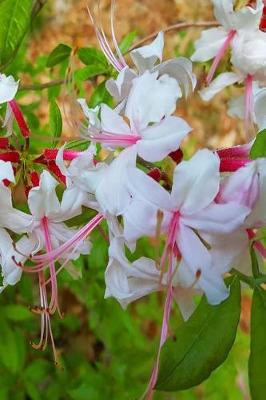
[[151, 129], [8, 88], [190, 213]]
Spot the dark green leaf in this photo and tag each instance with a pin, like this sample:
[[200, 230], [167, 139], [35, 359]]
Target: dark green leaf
[[55, 120], [90, 71], [100, 95], [15, 17], [60, 53], [259, 147], [127, 42], [90, 55], [257, 360], [12, 348], [202, 343]]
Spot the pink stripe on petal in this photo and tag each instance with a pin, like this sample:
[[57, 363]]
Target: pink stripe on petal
[[248, 104]]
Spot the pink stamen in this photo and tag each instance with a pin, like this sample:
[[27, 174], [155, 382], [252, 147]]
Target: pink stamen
[[220, 55], [54, 255], [118, 51], [248, 104], [231, 165], [19, 118], [169, 251]]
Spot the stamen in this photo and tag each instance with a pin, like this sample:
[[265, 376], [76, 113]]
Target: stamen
[[220, 55], [118, 51], [113, 139]]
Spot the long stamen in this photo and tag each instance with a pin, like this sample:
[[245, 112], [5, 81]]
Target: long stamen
[[220, 55], [120, 55], [115, 139], [54, 255]]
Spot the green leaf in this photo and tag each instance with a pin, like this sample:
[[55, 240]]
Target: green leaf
[[100, 95], [15, 17], [90, 71], [259, 146], [55, 118], [202, 343], [90, 55], [60, 53], [257, 359], [12, 348], [16, 312], [127, 42]]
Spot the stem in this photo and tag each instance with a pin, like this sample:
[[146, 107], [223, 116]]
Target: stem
[[176, 27], [42, 86], [244, 278], [37, 6]]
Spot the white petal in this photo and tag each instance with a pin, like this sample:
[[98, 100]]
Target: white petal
[[260, 109], [145, 57], [223, 11], [237, 107], [8, 88], [113, 122], [151, 99], [208, 45], [196, 182], [42, 199], [90, 113], [218, 84], [248, 18], [119, 88], [161, 139], [6, 171]]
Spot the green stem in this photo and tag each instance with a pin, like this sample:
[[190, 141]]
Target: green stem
[[244, 278], [42, 86]]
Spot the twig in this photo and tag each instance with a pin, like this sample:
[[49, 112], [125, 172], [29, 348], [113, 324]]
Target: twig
[[38, 5], [41, 86], [177, 27]]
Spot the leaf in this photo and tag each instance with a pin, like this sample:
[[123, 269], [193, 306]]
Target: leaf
[[202, 343], [16, 312], [257, 359], [55, 118], [90, 71], [127, 42], [60, 53], [12, 348], [15, 17], [259, 146], [100, 95], [90, 55]]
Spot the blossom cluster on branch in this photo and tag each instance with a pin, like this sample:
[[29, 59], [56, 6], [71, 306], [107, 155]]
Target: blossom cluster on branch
[[203, 215]]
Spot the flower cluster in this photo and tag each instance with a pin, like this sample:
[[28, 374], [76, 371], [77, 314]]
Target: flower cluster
[[203, 214]]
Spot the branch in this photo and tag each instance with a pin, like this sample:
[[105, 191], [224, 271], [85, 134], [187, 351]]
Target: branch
[[37, 6], [42, 86], [177, 27]]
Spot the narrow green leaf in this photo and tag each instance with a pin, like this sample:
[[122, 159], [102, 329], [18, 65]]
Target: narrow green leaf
[[259, 146], [56, 123], [17, 312], [127, 42], [202, 343], [257, 359], [100, 95], [12, 348], [90, 71], [15, 17], [59, 54], [90, 55]]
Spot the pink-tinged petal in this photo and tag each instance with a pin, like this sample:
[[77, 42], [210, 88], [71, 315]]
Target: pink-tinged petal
[[218, 218], [196, 182], [8, 88], [198, 261], [42, 199], [218, 84], [241, 187], [180, 69], [119, 88], [151, 99], [209, 44], [161, 139], [145, 57], [112, 122]]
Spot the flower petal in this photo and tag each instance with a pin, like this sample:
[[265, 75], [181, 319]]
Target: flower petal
[[219, 83], [161, 139], [8, 88], [196, 182], [209, 44], [113, 122], [119, 88], [145, 57]]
